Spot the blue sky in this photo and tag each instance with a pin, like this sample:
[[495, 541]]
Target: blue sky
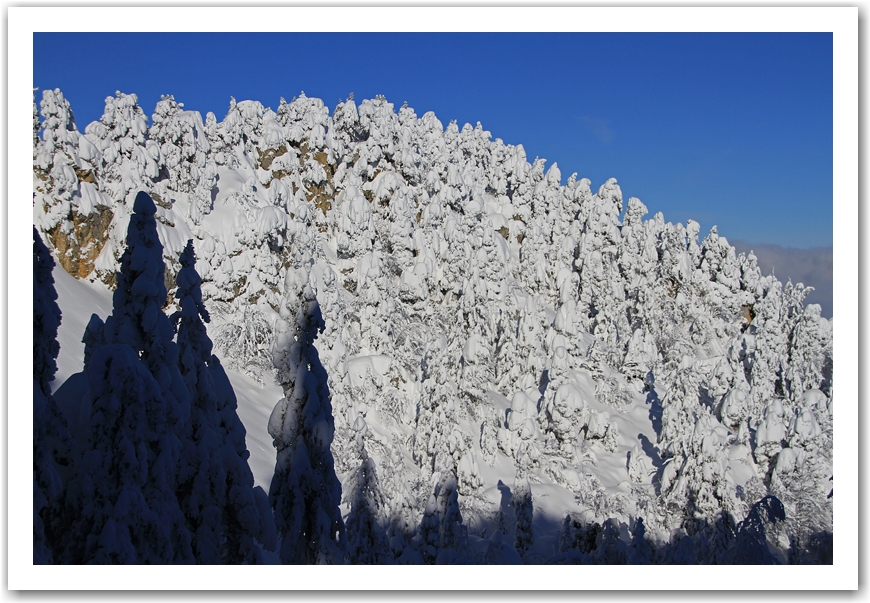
[[726, 129]]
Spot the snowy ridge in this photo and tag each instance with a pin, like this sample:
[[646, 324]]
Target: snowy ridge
[[501, 350]]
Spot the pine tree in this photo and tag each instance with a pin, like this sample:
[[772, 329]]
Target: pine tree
[[430, 530], [522, 503], [137, 316], [305, 492], [640, 552], [750, 545], [454, 535], [123, 497], [215, 483], [52, 445], [366, 541]]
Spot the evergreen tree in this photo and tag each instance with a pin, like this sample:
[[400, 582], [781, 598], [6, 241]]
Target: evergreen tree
[[52, 445], [640, 552], [454, 535], [610, 549], [137, 317], [366, 542], [127, 160], [430, 530], [522, 503], [123, 497], [215, 483], [750, 545], [305, 492]]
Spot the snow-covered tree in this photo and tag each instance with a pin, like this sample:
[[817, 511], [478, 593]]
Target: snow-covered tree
[[129, 161], [522, 503], [640, 552], [473, 305], [366, 542], [305, 492], [215, 484], [124, 499], [52, 445], [751, 544], [430, 531], [137, 318]]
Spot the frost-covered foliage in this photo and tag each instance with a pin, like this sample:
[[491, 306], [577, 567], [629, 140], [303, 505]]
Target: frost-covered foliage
[[52, 445], [366, 541], [522, 502], [215, 485], [488, 317], [123, 498], [751, 547], [305, 492]]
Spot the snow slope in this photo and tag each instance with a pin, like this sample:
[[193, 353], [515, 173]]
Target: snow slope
[[78, 299]]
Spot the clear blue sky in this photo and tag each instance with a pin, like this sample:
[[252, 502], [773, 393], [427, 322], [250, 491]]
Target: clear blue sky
[[727, 129]]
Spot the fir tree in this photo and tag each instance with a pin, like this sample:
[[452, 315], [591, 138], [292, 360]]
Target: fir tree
[[640, 552], [366, 542], [123, 499], [52, 445], [522, 503], [305, 492], [215, 484], [750, 545]]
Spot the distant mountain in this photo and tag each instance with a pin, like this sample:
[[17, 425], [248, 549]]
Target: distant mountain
[[503, 353]]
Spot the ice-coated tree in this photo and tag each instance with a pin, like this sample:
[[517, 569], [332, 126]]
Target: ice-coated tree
[[123, 495], [640, 552], [478, 294], [137, 317], [215, 484], [454, 535], [183, 145], [52, 445], [610, 549], [430, 530], [129, 161], [719, 539], [750, 545], [366, 542], [522, 503], [305, 492]]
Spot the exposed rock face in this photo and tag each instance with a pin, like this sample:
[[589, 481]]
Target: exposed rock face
[[80, 239]]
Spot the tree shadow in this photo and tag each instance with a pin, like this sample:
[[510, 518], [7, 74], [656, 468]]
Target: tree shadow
[[655, 411], [651, 451]]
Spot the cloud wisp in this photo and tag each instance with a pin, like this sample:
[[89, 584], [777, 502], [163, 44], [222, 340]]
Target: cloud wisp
[[600, 128]]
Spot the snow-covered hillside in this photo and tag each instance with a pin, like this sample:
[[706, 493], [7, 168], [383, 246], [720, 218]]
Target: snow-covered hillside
[[538, 355]]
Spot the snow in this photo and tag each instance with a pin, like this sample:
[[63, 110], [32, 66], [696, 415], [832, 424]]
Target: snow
[[624, 369], [78, 300]]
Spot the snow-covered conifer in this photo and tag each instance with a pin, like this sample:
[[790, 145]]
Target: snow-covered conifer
[[137, 317], [366, 541], [52, 453], [430, 530], [215, 484], [129, 161], [751, 545], [640, 552], [473, 304], [123, 500], [522, 503], [305, 492]]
